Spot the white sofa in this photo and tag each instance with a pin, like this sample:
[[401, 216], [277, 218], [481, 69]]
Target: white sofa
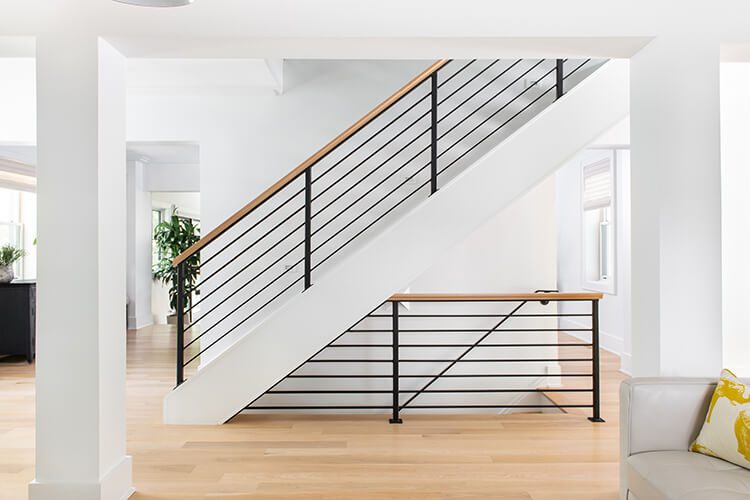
[[659, 419]]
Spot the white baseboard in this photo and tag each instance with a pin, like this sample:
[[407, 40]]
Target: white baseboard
[[135, 323], [117, 484], [626, 364], [608, 342]]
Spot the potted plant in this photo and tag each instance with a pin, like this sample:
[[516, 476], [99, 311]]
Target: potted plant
[[172, 237], [8, 256]]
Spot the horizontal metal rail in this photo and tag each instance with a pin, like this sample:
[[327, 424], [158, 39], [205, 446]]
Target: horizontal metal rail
[[567, 344], [428, 391], [473, 368], [475, 330], [415, 407], [446, 375], [510, 360]]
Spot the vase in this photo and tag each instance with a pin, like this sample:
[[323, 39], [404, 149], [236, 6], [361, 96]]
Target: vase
[[6, 274]]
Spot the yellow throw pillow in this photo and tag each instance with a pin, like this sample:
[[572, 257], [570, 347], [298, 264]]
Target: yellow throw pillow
[[726, 431]]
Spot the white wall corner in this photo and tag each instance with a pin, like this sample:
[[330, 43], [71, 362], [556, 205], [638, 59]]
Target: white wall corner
[[554, 370], [276, 70], [626, 364]]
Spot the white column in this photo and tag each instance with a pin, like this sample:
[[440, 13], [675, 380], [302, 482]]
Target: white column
[[139, 280], [735, 186], [676, 208], [80, 374]]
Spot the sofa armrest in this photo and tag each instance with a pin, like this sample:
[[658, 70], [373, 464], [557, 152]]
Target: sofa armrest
[[658, 414]]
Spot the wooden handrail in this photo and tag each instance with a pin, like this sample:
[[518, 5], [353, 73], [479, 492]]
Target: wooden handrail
[[458, 297], [241, 213]]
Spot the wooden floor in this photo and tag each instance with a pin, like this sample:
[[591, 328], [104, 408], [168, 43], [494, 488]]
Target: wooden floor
[[521, 456]]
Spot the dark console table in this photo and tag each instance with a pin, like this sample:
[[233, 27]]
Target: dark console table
[[18, 318]]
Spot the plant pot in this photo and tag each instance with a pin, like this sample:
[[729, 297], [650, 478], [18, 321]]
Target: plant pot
[[6, 274]]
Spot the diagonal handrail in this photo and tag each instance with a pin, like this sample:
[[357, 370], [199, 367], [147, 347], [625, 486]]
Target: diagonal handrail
[[312, 160]]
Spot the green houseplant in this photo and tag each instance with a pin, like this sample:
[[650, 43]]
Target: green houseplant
[[172, 237], [8, 256]]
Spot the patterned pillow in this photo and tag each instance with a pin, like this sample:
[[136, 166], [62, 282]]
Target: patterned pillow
[[726, 431]]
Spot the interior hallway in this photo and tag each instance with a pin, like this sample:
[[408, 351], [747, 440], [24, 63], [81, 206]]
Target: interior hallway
[[332, 457]]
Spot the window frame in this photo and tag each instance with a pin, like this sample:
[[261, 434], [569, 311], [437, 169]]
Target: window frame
[[609, 155], [155, 252]]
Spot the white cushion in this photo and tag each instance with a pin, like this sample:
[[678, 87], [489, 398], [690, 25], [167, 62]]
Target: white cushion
[[682, 475]]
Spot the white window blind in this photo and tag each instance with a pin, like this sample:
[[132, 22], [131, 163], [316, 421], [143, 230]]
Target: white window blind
[[597, 185]]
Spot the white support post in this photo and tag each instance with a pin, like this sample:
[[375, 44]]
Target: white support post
[[676, 208], [80, 373]]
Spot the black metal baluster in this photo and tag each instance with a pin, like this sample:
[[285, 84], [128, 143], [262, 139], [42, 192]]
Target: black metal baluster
[[559, 79], [595, 361], [180, 322], [308, 227], [433, 134], [395, 419]]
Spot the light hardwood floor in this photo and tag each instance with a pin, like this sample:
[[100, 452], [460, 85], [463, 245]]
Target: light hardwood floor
[[521, 456]]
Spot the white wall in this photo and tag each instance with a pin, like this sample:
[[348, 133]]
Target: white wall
[[17, 100], [172, 178], [614, 309], [516, 251], [735, 214], [139, 281]]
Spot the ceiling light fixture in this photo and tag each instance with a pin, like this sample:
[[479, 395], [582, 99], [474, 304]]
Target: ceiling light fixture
[[156, 3]]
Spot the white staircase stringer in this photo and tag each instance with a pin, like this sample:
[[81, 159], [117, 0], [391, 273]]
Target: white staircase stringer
[[402, 252]]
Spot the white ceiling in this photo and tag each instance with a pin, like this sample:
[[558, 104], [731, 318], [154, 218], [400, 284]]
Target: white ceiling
[[377, 29], [166, 153], [190, 75]]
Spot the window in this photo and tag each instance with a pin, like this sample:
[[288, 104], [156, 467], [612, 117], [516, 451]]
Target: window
[[598, 223], [18, 228], [12, 234]]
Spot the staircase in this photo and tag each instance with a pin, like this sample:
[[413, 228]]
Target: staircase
[[368, 213]]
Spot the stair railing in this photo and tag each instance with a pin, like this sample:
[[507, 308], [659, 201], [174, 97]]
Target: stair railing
[[467, 338], [414, 140]]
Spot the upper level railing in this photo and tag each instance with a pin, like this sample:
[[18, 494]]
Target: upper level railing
[[478, 352], [400, 152]]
